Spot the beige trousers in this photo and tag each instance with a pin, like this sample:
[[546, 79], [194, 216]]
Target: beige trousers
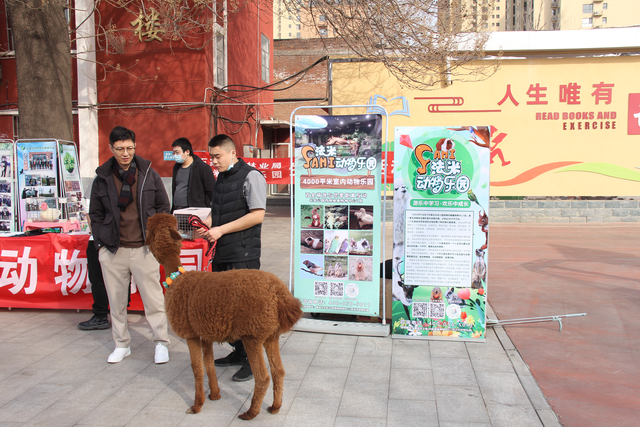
[[116, 270]]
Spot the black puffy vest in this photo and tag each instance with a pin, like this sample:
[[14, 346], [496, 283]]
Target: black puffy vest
[[229, 204]]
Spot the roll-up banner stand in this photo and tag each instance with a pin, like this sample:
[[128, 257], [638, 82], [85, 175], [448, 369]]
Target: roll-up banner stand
[[441, 232], [337, 219]]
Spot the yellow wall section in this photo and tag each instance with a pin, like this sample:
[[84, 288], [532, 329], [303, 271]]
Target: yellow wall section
[[530, 142]]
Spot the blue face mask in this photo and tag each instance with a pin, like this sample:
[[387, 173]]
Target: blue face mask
[[178, 158]]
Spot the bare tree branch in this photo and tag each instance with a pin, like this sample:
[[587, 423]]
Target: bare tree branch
[[423, 43]]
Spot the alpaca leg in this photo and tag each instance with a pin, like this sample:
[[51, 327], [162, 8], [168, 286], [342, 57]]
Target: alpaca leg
[[253, 347], [207, 352], [195, 351], [272, 346]]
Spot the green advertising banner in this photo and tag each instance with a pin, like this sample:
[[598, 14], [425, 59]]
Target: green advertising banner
[[441, 232], [337, 213]]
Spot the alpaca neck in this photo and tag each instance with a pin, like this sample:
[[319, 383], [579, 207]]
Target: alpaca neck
[[171, 265], [172, 270]]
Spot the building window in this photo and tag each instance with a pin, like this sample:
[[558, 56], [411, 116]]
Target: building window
[[498, 8], [289, 34], [298, 35], [587, 22], [221, 61], [265, 58], [587, 8], [323, 31], [605, 6], [298, 27], [220, 40], [604, 20], [498, 16], [498, 24], [289, 25], [322, 18]]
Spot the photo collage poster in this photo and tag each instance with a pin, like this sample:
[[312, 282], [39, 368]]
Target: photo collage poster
[[338, 214], [36, 166], [441, 232], [71, 183], [7, 201]]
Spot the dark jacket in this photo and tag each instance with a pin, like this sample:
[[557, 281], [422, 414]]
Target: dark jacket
[[201, 183], [104, 212], [229, 204]]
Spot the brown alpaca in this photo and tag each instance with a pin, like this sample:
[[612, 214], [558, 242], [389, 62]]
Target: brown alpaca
[[205, 307]]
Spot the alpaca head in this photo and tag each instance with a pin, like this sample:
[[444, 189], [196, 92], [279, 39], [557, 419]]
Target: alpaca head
[[163, 238]]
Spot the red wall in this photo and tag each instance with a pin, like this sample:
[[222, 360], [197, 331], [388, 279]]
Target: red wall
[[161, 72], [245, 68]]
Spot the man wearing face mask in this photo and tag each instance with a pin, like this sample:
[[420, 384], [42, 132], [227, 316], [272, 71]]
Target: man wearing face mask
[[193, 179]]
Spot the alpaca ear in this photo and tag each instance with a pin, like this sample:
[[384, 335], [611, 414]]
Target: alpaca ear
[[174, 234]]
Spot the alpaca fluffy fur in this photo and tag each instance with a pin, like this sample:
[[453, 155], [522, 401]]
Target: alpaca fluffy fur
[[203, 307]]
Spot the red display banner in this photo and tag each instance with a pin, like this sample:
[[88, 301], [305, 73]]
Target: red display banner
[[278, 171], [50, 271], [275, 171]]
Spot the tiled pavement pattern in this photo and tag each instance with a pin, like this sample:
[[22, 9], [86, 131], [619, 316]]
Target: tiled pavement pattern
[[52, 374]]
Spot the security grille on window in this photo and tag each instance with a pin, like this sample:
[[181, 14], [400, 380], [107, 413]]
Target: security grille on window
[[219, 31], [587, 22], [221, 61], [587, 8], [265, 58]]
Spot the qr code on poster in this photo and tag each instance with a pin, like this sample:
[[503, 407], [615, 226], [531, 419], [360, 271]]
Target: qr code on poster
[[336, 289], [420, 309], [321, 289], [437, 310]]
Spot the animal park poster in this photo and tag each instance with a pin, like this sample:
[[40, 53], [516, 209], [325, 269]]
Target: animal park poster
[[441, 232], [337, 213]]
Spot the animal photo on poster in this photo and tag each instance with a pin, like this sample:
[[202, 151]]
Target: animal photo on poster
[[311, 241], [311, 216]]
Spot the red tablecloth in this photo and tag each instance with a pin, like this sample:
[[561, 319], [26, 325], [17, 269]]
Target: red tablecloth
[[50, 271]]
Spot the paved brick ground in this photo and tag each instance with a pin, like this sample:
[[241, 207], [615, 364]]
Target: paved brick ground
[[52, 374], [589, 371]]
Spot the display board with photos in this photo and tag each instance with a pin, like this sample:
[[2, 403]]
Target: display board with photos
[[71, 183], [7, 195], [337, 213], [37, 176], [441, 232]]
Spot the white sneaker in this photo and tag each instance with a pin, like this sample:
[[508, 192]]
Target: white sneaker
[[162, 354], [118, 354]]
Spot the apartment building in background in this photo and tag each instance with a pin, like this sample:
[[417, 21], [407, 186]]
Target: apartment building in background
[[533, 15], [298, 24]]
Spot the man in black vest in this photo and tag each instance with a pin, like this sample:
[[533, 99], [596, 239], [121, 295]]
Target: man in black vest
[[237, 212]]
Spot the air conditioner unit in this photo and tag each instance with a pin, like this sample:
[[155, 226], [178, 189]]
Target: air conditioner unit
[[597, 13]]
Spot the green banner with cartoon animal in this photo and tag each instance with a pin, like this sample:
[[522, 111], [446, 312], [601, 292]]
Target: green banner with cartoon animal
[[441, 232], [338, 213]]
